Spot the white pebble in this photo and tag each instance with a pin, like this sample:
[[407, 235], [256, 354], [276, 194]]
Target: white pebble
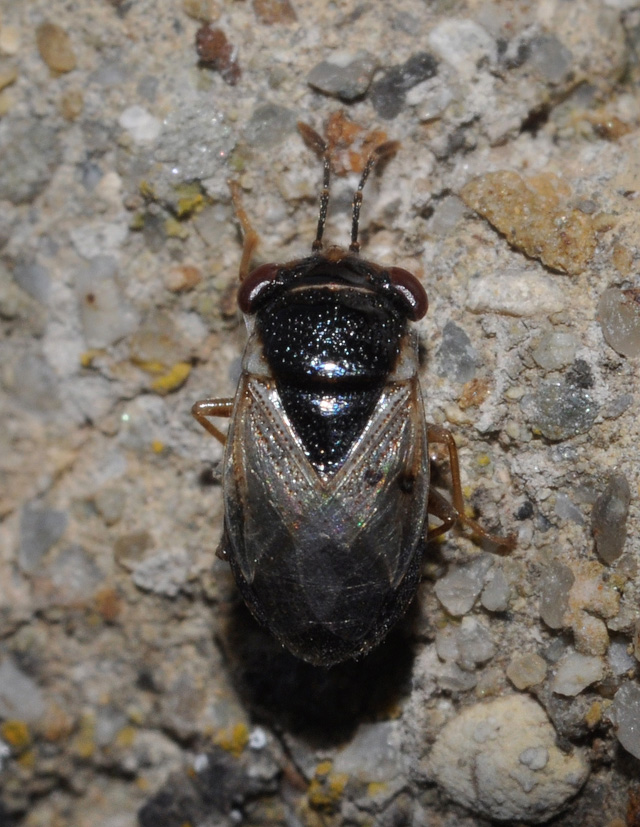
[[140, 124], [575, 672], [500, 760], [515, 294]]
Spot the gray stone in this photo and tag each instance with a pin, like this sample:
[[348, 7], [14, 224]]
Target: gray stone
[[554, 594], [457, 358], [344, 76], [609, 518], [20, 697], [40, 528], [269, 125], [559, 410], [29, 153]]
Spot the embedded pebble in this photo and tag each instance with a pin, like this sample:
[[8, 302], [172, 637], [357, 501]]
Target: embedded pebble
[[29, 152], [371, 755], [506, 772], [20, 697], [269, 125], [156, 345], [272, 12], [98, 238], [459, 589], [515, 293], [497, 593], [143, 127], [35, 383], [550, 58], [216, 52], [166, 572], [626, 711], [40, 529], [110, 503], [195, 141], [609, 518], [468, 644], [463, 44], [556, 349], [388, 93], [526, 670], [457, 358], [575, 672], [55, 48], [559, 410], [73, 577], [534, 218], [204, 10], [619, 316], [33, 278], [554, 594], [106, 317], [620, 659], [345, 75], [567, 510]]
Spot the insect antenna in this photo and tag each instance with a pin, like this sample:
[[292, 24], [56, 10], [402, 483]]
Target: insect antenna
[[380, 153], [319, 145]]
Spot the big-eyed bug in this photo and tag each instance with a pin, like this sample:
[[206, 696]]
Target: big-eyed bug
[[326, 463]]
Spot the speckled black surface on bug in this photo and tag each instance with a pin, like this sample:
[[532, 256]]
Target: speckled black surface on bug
[[326, 466]]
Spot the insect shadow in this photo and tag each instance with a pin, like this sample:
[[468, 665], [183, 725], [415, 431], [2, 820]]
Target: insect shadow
[[322, 705]]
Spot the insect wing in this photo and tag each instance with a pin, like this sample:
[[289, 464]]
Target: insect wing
[[328, 564]]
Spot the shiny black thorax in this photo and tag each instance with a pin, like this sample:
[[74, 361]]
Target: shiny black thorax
[[331, 335]]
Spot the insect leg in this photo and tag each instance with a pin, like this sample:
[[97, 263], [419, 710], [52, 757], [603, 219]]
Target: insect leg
[[445, 437], [251, 237], [212, 407]]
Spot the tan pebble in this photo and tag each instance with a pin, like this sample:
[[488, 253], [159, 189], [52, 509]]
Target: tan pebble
[[55, 48], [622, 259], [183, 278], [274, 11], [71, 104], [8, 74], [526, 670], [9, 40], [473, 393], [204, 10], [590, 634], [535, 218]]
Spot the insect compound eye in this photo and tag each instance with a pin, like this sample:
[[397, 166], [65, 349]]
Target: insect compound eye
[[411, 290], [254, 284]]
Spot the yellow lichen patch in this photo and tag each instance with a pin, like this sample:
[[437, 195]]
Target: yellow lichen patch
[[172, 380], [535, 217], [27, 760], [233, 739], [374, 788], [150, 366], [86, 358], [191, 200], [175, 229], [16, 734], [326, 787], [594, 715], [157, 446], [84, 744], [484, 461], [125, 737]]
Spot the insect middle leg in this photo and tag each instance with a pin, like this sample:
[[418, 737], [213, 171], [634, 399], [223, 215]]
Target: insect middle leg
[[205, 408], [450, 513], [251, 237]]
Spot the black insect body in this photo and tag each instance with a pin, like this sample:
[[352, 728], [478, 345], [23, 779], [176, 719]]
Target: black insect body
[[326, 467]]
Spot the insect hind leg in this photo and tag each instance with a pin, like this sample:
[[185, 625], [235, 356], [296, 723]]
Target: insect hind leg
[[452, 513], [205, 408]]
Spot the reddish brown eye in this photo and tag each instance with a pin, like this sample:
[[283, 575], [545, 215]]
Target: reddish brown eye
[[254, 284], [411, 290]]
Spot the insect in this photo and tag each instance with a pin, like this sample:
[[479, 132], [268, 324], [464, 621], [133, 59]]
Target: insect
[[326, 463]]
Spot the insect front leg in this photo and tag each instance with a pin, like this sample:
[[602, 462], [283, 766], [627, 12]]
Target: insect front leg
[[450, 513], [205, 408], [251, 237]]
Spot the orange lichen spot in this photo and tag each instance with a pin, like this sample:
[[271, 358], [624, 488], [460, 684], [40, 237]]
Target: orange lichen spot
[[535, 217], [108, 603], [473, 393]]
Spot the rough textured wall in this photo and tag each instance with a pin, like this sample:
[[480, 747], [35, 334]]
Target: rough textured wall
[[134, 689]]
